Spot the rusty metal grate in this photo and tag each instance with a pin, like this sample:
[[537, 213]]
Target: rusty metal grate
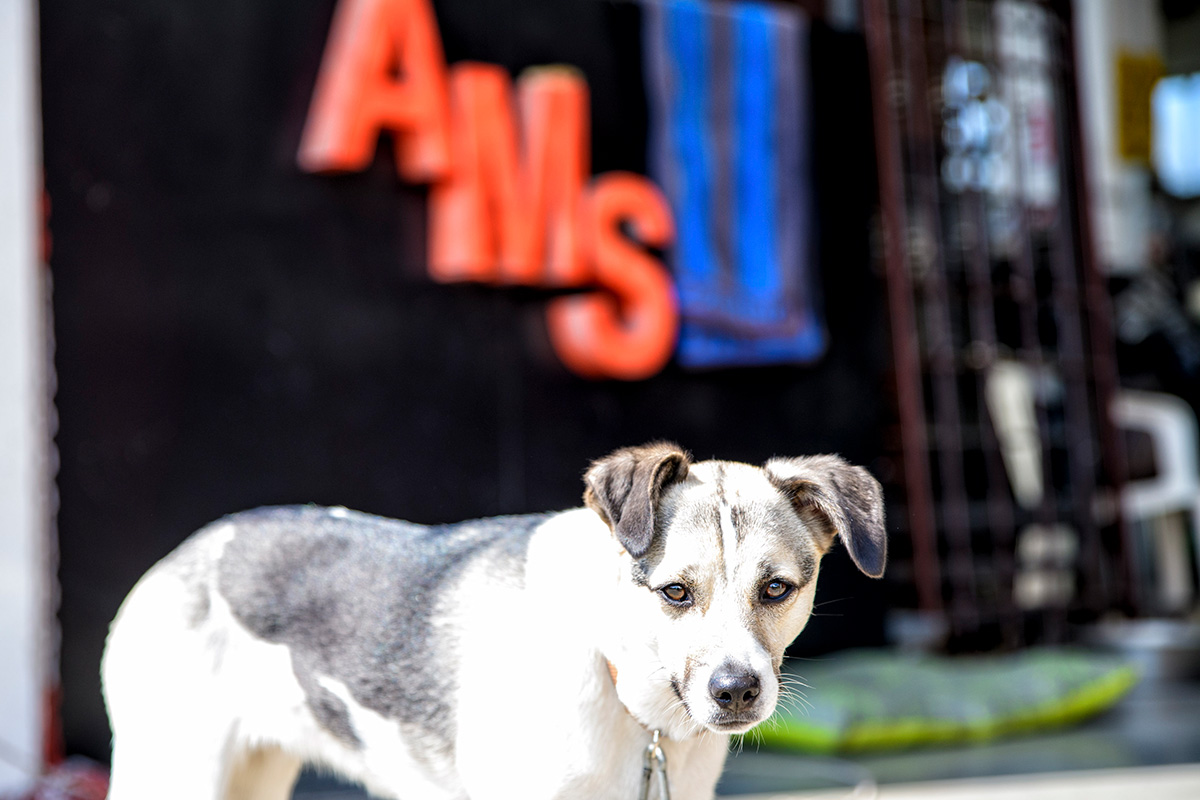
[[1004, 361]]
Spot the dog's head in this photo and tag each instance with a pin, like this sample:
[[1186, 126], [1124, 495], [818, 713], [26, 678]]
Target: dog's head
[[721, 562]]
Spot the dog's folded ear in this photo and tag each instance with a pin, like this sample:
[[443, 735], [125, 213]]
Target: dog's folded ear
[[625, 487], [834, 498]]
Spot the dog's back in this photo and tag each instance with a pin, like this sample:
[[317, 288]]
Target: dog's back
[[348, 604]]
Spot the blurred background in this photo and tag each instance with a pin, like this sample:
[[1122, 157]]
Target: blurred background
[[955, 241]]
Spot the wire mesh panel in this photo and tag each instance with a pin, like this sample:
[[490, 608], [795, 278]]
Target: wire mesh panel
[[1004, 363]]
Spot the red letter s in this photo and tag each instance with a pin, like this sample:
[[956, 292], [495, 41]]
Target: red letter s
[[627, 330]]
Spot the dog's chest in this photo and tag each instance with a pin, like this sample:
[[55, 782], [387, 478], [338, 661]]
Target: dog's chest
[[593, 751]]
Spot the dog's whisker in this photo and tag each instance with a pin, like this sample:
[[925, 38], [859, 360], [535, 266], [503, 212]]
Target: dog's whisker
[[757, 737], [792, 680], [794, 700]]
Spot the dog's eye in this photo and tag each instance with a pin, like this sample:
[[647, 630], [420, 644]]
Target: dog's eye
[[775, 591], [675, 592]]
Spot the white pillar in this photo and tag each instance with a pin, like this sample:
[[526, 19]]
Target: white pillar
[[1120, 189], [25, 572]]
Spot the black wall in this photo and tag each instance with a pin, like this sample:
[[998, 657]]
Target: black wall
[[232, 332]]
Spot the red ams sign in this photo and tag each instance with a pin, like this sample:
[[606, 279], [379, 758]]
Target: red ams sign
[[511, 202]]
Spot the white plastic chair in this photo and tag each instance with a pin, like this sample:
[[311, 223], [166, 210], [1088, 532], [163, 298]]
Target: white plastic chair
[[1171, 425]]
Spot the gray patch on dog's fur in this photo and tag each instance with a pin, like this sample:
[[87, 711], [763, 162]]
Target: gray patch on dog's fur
[[189, 565], [722, 502], [735, 519], [327, 708], [354, 596], [808, 567], [200, 610]]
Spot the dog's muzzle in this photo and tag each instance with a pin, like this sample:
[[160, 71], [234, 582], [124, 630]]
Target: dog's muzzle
[[735, 691]]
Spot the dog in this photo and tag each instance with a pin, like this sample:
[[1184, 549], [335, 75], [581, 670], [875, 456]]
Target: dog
[[532, 656]]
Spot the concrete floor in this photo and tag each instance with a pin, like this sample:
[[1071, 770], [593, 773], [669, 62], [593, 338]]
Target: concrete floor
[[1156, 726], [1178, 782]]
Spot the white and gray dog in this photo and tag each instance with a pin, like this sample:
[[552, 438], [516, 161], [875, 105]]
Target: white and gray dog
[[524, 656]]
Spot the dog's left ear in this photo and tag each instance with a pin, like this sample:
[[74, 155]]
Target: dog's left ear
[[834, 498], [624, 489]]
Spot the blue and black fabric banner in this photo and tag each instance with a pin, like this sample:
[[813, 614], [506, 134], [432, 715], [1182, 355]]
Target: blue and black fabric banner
[[728, 94]]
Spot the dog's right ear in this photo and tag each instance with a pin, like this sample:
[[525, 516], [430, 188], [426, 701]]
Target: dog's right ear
[[624, 488]]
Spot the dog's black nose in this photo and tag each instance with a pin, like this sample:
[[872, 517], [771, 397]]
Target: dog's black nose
[[734, 690]]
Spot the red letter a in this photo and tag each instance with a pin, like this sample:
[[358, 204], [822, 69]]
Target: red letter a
[[383, 69]]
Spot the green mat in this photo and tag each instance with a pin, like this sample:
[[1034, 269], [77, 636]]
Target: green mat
[[862, 700]]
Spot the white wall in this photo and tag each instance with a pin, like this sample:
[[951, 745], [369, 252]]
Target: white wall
[[24, 523]]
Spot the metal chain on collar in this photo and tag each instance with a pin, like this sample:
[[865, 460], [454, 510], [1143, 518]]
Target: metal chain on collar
[[654, 761]]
